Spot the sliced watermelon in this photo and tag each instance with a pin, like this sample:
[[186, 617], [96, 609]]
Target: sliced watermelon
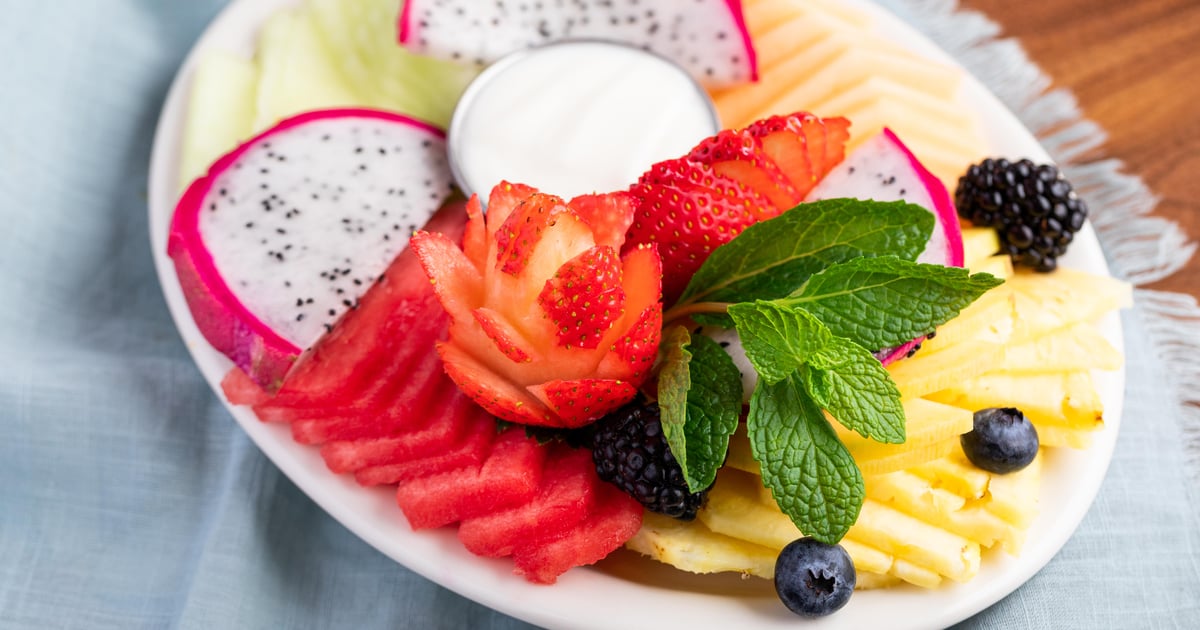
[[614, 519], [473, 448], [443, 430], [407, 409], [508, 477], [564, 498], [240, 389]]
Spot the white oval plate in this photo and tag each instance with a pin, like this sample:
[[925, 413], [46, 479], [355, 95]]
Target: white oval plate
[[626, 591]]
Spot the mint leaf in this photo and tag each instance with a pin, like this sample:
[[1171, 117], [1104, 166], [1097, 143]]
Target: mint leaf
[[777, 339], [848, 382], [699, 400], [886, 301], [772, 258], [812, 475]]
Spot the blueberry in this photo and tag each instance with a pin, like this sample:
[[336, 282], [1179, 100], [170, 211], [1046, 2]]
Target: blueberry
[[814, 579], [1002, 441]]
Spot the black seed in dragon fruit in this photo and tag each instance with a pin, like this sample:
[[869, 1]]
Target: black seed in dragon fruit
[[288, 231], [708, 38]]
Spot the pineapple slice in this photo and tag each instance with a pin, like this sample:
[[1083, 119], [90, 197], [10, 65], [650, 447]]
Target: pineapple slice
[[1014, 497], [1049, 302], [957, 474], [917, 497], [916, 541], [980, 244], [1076, 348], [990, 319], [932, 429], [1063, 399], [692, 547], [926, 373]]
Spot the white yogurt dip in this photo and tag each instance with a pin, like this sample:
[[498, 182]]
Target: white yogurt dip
[[575, 117]]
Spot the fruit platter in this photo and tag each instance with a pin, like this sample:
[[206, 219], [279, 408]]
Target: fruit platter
[[844, 340]]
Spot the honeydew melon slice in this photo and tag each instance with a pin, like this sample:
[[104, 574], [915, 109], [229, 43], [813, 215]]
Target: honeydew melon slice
[[297, 72], [220, 111], [361, 37]]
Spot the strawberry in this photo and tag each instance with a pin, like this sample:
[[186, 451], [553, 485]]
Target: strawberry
[[534, 329], [738, 155], [689, 206], [688, 210], [582, 316]]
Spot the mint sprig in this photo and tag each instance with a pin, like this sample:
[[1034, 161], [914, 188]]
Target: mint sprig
[[811, 474], [700, 401], [887, 301], [772, 258]]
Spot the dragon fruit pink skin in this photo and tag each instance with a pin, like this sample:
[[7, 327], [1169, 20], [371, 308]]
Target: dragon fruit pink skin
[[708, 38], [330, 221], [883, 169]]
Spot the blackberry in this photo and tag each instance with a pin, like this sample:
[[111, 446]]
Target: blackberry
[[631, 452], [1033, 208]]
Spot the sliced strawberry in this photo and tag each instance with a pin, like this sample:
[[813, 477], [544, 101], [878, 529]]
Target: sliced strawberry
[[508, 340], [470, 451], [609, 216], [614, 519], [578, 402], [634, 353], [837, 133], [508, 477], [585, 297], [475, 234], [688, 210], [564, 498], [505, 198], [738, 155], [491, 391], [783, 138], [522, 231], [455, 279]]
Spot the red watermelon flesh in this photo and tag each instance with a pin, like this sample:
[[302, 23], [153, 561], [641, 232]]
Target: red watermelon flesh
[[444, 428], [614, 519], [473, 448], [508, 477], [345, 362], [406, 410], [240, 389], [418, 323], [563, 500]]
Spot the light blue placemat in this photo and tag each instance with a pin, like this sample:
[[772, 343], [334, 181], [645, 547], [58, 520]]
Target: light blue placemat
[[130, 499]]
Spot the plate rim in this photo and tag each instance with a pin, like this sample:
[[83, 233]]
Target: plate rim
[[489, 582]]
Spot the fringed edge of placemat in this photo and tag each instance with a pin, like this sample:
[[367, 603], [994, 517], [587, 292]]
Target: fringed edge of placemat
[[1140, 247]]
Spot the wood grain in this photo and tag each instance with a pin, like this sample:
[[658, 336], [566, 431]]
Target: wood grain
[[1135, 68]]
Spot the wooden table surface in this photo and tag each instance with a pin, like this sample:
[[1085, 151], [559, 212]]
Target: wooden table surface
[[1134, 65]]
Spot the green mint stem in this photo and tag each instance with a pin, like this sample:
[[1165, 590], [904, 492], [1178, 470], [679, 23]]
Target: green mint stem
[[687, 310]]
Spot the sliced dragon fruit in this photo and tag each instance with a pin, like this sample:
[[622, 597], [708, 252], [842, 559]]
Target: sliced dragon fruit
[[286, 232], [708, 38], [883, 169]]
